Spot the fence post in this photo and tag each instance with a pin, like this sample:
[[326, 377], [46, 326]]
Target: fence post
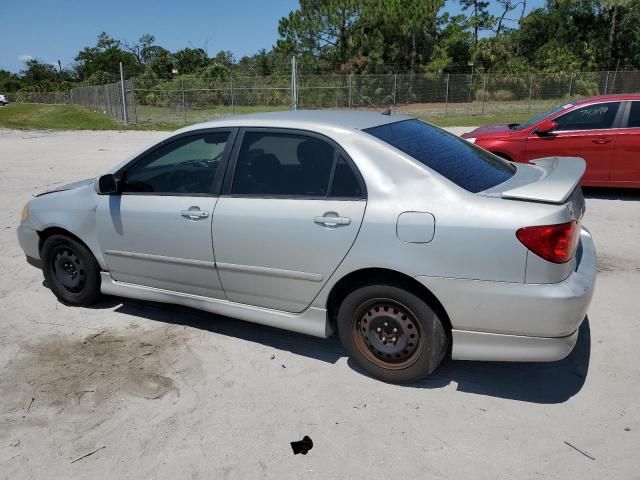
[[395, 88], [571, 83], [484, 92], [184, 104], [530, 90], [134, 100], [124, 96], [446, 97], [294, 90], [606, 83], [233, 100]]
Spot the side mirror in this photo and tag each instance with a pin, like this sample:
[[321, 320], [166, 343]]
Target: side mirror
[[547, 127], [107, 184]]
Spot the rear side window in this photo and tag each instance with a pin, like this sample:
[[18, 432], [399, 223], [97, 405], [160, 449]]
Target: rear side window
[[465, 165], [634, 115], [274, 164], [592, 117]]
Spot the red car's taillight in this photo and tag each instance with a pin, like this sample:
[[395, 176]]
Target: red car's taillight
[[555, 243]]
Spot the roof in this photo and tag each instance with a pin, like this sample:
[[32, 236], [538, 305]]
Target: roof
[[613, 97], [311, 119]]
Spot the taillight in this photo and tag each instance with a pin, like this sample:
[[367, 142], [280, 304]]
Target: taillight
[[555, 243]]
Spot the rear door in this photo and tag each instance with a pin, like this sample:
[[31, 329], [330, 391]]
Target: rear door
[[291, 208], [625, 166], [587, 132]]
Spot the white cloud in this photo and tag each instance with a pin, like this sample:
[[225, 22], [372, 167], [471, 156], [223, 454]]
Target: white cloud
[[25, 58]]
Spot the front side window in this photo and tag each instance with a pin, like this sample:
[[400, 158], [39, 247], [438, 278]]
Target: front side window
[[187, 165], [592, 117], [291, 165], [465, 165]]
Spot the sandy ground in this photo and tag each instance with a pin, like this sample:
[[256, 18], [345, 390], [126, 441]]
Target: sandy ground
[[166, 392]]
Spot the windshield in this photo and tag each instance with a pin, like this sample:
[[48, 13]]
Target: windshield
[[466, 165], [537, 118]]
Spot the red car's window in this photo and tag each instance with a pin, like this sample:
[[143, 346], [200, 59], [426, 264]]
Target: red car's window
[[592, 117], [634, 115]]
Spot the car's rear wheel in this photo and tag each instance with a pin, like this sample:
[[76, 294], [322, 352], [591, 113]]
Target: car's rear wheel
[[71, 271], [391, 333]]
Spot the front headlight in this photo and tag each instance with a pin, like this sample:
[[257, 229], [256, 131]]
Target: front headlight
[[470, 140], [25, 212]]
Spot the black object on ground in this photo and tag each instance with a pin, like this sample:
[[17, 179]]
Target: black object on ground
[[303, 446]]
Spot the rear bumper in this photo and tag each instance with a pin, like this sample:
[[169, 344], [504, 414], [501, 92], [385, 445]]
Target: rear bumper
[[517, 321]]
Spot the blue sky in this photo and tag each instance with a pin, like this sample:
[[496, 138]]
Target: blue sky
[[51, 30]]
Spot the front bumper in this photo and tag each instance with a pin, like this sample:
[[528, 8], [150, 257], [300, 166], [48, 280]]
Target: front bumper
[[29, 242], [517, 321]]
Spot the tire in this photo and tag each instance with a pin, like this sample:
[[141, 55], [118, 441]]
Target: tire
[[366, 321], [71, 271]]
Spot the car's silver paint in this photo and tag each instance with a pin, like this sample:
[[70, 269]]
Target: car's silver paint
[[561, 175], [540, 310], [146, 239], [279, 255], [273, 258], [496, 347], [416, 227]]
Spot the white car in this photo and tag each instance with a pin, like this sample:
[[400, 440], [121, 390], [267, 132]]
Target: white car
[[3, 100]]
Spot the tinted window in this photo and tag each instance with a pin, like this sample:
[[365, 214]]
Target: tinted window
[[593, 117], [282, 164], [634, 115], [187, 165], [464, 164], [345, 182], [542, 116]]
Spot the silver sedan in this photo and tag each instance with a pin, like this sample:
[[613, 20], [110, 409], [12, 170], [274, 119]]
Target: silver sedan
[[410, 242]]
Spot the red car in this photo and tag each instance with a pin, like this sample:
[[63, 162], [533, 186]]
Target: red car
[[603, 130]]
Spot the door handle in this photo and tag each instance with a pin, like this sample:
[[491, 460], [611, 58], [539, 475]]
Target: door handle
[[331, 219], [194, 213], [601, 141]]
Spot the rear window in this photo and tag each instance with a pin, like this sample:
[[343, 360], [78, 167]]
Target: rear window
[[464, 164]]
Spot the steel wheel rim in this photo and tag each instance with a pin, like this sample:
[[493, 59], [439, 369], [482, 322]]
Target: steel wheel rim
[[68, 269], [387, 333]]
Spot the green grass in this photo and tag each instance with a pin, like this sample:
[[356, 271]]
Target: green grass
[[73, 117], [55, 117]]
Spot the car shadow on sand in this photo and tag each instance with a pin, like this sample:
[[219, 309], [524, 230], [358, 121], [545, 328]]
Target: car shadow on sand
[[553, 382]]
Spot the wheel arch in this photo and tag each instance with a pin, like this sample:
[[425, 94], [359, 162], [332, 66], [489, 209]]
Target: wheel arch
[[367, 276], [50, 231]]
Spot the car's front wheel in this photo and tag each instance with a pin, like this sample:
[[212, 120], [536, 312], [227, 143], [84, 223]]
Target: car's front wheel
[[391, 333], [71, 271]]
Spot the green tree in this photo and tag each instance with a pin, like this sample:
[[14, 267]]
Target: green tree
[[479, 18], [190, 60], [105, 56], [320, 29]]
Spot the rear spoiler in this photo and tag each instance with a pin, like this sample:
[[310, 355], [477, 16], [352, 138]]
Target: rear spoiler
[[561, 175]]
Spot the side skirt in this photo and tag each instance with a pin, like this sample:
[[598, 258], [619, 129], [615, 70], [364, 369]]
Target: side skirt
[[313, 321]]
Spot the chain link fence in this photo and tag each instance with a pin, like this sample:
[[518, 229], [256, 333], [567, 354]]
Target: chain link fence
[[186, 100]]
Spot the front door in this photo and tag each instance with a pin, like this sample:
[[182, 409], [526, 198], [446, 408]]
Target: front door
[[157, 232], [584, 132], [288, 216]]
